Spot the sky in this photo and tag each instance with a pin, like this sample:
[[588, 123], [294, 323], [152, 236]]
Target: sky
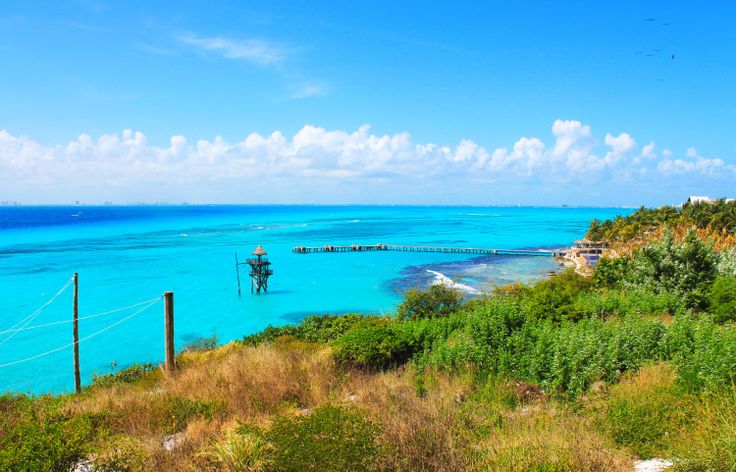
[[622, 103]]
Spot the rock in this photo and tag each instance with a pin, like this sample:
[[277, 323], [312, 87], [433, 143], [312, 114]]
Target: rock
[[172, 441], [305, 411], [652, 465], [352, 397], [84, 465]]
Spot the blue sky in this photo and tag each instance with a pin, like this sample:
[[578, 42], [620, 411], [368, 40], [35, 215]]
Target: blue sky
[[371, 102]]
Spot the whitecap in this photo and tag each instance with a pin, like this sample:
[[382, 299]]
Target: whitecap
[[442, 279]]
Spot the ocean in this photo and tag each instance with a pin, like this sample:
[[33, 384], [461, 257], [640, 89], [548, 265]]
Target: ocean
[[128, 255]]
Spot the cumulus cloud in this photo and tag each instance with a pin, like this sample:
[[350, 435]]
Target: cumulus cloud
[[320, 165]]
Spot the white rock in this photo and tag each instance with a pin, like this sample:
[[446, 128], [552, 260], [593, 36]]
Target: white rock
[[84, 465], [170, 442], [652, 465]]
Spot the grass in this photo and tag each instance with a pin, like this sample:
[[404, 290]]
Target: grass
[[275, 406]]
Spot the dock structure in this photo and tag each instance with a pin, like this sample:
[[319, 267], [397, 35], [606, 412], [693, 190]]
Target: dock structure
[[412, 248]]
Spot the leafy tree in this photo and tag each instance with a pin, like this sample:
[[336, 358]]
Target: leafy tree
[[438, 300]]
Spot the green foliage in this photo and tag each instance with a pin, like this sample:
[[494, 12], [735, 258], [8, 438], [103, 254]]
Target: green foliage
[[177, 412], [377, 345], [719, 216], [121, 454], [130, 374], [727, 262], [38, 434], [704, 353], [317, 329], [331, 438], [685, 269], [554, 298], [644, 422], [246, 452], [722, 299], [438, 300], [611, 272]]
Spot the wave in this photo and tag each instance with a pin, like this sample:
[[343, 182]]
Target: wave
[[442, 279]]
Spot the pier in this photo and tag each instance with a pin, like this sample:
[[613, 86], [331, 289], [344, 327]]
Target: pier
[[412, 248]]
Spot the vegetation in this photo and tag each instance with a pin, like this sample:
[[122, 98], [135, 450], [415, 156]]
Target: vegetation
[[718, 217], [572, 373]]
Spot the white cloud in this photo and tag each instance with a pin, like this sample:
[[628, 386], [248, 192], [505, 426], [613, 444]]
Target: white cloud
[[336, 163], [253, 50], [649, 151], [308, 90]]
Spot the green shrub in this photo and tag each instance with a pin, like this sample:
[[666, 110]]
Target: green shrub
[[703, 352], [316, 329], [246, 452], [37, 434], [554, 299], [438, 300], [685, 269], [331, 438], [177, 412], [611, 272], [727, 262], [377, 345], [121, 454], [130, 374], [722, 299]]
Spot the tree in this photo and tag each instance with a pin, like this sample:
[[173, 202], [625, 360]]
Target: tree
[[437, 301]]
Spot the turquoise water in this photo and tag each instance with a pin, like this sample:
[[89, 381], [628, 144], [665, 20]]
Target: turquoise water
[[126, 255]]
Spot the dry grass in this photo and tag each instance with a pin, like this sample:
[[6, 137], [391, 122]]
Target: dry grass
[[451, 427]]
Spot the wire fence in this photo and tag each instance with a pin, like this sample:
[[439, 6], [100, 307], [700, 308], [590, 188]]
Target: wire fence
[[23, 324]]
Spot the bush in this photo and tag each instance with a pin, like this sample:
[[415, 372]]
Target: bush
[[722, 299], [331, 438], [554, 299], [130, 374], [703, 352], [246, 452], [37, 434], [179, 411], [377, 345], [611, 272], [316, 329], [685, 269], [438, 300]]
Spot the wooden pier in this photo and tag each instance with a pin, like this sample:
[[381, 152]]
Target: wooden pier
[[409, 248]]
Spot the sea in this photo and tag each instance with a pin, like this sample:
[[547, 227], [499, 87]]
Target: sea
[[128, 256]]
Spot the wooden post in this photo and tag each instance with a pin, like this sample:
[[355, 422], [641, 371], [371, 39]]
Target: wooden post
[[237, 271], [77, 377], [169, 331]]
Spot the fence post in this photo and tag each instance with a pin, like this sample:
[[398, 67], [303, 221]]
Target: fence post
[[77, 377], [169, 331]]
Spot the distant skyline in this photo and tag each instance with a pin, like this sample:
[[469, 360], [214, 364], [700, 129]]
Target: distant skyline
[[500, 103]]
